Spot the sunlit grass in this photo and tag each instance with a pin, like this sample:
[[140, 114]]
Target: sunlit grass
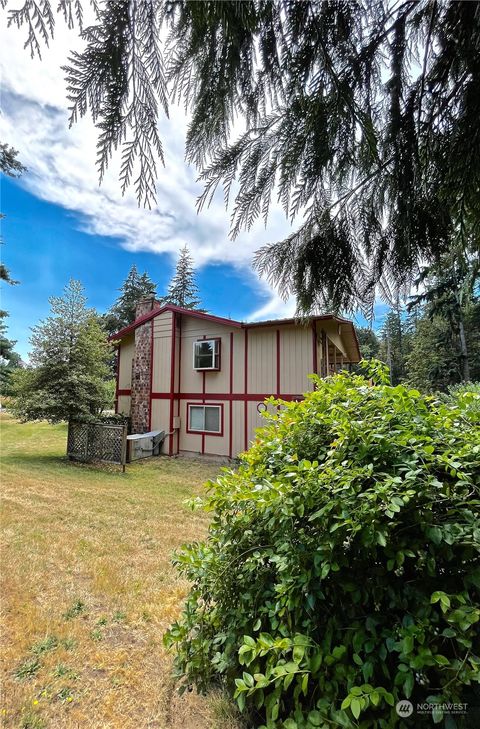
[[88, 587]]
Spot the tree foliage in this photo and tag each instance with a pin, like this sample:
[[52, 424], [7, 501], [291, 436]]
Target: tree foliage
[[135, 288], [395, 343], [451, 293], [11, 166], [466, 396], [434, 342], [340, 573], [9, 359], [434, 360], [69, 372], [363, 118], [368, 341], [183, 289]]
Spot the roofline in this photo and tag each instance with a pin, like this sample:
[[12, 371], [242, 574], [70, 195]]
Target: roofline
[[310, 320], [230, 322], [295, 320], [177, 310]]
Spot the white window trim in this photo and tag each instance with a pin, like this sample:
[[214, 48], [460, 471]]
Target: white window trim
[[216, 353], [204, 430]]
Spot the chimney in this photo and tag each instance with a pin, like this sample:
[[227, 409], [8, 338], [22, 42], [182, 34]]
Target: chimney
[[141, 367], [149, 303]]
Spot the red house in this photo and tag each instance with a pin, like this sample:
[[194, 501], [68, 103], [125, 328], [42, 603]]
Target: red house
[[203, 379]]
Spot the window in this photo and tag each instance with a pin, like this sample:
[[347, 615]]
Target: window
[[205, 419], [206, 354]]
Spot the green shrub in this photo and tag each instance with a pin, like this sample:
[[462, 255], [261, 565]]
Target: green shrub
[[340, 573], [467, 397]]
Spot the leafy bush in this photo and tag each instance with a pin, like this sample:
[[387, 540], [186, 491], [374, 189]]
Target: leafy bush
[[105, 419], [467, 397], [341, 573]]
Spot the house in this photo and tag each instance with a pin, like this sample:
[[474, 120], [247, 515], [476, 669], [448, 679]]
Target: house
[[203, 379]]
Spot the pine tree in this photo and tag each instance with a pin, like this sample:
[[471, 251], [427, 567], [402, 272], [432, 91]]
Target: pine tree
[[432, 363], [11, 166], [451, 289], [363, 118], [9, 359], [135, 288], [6, 345], [395, 344], [183, 290], [368, 341], [446, 332], [69, 363]]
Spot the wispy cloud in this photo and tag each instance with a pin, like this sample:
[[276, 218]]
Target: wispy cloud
[[61, 170]]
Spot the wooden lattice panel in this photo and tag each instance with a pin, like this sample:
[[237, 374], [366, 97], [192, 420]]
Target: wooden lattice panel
[[97, 442]]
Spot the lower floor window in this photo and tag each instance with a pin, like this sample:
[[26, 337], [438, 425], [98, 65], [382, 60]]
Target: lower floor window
[[204, 418]]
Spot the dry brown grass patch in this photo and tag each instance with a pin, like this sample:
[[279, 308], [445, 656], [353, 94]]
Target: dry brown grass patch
[[88, 589]]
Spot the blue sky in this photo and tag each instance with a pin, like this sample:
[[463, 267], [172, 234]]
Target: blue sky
[[44, 246], [61, 224]]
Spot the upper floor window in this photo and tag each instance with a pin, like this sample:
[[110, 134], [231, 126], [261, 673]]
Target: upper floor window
[[206, 354]]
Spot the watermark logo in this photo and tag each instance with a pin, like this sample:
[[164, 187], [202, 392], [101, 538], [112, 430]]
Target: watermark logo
[[404, 708]]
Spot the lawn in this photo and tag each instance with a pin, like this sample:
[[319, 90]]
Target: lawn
[[88, 587]]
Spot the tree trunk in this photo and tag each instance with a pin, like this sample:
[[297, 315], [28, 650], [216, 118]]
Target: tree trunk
[[389, 358], [465, 369]]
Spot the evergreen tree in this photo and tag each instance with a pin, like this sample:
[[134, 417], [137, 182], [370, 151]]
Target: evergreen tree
[[432, 363], [9, 165], [9, 359], [450, 293], [369, 342], [69, 363], [395, 344], [183, 290], [6, 345], [363, 117], [135, 288], [446, 336], [437, 344]]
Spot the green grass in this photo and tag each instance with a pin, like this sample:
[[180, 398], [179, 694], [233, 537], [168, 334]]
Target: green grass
[[90, 586]]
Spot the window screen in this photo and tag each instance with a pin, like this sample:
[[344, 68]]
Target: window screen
[[212, 419], [196, 418], [206, 354], [204, 418]]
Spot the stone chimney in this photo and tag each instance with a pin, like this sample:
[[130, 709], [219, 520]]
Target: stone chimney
[[141, 367], [149, 303]]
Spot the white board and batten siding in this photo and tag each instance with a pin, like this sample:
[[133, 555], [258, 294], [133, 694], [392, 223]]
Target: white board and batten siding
[[204, 387]]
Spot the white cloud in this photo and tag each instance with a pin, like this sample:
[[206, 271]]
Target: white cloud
[[275, 307], [61, 170]]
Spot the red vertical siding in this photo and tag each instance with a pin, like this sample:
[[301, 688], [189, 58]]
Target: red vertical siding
[[278, 363], [203, 400], [230, 405], [172, 385], [118, 377], [246, 391], [179, 376], [151, 383]]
